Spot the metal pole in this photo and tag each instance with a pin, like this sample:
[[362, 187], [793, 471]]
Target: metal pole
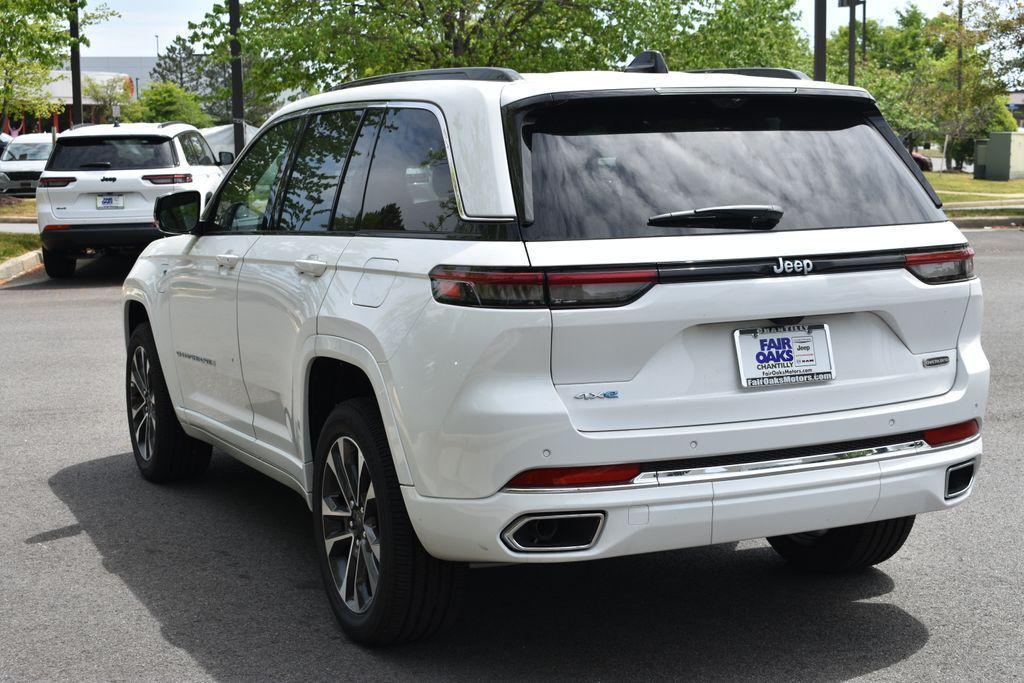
[[819, 39], [237, 103], [853, 41], [76, 64], [864, 31]]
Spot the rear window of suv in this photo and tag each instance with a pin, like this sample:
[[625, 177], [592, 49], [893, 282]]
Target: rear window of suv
[[112, 153], [597, 169]]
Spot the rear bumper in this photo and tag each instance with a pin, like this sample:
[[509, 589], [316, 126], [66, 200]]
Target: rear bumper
[[665, 517], [100, 236]]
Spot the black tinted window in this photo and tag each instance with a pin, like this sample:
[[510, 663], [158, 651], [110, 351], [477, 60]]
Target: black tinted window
[[248, 194], [350, 199], [410, 183], [197, 152], [601, 169], [113, 153], [319, 162]]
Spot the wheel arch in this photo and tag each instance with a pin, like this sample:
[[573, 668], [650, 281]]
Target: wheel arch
[[337, 369]]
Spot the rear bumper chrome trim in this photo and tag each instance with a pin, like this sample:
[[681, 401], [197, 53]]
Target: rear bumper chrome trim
[[762, 468]]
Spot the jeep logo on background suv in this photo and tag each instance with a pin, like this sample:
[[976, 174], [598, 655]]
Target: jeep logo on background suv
[[793, 266], [108, 179]]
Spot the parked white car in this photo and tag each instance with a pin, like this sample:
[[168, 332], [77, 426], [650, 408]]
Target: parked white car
[[478, 317], [22, 162], [100, 185]]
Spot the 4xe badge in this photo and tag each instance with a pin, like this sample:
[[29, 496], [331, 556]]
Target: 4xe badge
[[786, 265]]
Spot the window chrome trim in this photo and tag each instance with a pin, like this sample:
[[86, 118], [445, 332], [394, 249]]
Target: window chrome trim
[[761, 468]]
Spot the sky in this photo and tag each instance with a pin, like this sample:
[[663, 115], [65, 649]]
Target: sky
[[135, 32]]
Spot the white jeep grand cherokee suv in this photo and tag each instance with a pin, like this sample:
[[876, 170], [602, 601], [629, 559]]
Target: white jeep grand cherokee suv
[[100, 185], [478, 317]]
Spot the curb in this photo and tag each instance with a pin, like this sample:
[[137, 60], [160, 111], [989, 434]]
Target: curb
[[995, 222], [12, 268], [17, 219]]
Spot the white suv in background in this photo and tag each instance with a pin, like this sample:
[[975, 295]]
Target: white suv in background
[[101, 183], [477, 317], [22, 162]]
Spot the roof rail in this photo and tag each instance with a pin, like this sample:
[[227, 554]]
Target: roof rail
[[173, 123], [762, 71], [469, 73], [648, 62], [81, 125]]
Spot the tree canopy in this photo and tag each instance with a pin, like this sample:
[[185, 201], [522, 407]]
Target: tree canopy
[[165, 101]]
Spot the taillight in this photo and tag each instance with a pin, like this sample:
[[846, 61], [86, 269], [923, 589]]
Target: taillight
[[502, 287], [599, 288], [941, 436], [169, 178], [942, 266], [487, 287], [56, 182], [559, 477]]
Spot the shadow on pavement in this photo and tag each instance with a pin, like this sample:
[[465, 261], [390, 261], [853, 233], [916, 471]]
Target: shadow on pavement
[[102, 271], [227, 565]]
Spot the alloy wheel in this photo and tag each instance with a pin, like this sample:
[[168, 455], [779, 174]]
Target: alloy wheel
[[143, 404], [351, 526]]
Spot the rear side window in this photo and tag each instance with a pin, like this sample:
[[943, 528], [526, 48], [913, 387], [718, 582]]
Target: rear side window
[[113, 153], [602, 168], [410, 183], [308, 202]]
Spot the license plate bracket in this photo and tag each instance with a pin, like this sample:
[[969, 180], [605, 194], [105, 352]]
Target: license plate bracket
[[784, 355], [109, 201]]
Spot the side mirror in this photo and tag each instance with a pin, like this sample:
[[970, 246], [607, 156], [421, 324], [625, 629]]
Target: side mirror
[[178, 213], [225, 158]]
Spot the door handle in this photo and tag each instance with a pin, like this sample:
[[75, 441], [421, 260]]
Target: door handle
[[311, 267], [227, 260]]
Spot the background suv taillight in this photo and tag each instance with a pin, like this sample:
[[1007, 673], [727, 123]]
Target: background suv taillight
[[499, 287]]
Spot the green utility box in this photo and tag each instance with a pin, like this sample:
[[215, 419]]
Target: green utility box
[[1004, 156]]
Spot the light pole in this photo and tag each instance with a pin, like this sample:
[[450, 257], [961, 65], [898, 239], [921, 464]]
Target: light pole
[[237, 103], [819, 39], [76, 65], [852, 57]]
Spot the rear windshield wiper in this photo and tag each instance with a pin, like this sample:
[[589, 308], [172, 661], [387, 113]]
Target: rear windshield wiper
[[743, 216], [95, 164]]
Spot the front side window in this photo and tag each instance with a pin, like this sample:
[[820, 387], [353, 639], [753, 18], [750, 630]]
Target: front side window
[[410, 182], [196, 151], [247, 196], [308, 200], [605, 168], [27, 151], [121, 153]]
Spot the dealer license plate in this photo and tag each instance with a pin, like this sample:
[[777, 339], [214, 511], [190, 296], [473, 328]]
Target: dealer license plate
[[790, 354], [110, 201]]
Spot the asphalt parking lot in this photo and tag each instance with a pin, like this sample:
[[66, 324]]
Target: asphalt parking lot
[[105, 576]]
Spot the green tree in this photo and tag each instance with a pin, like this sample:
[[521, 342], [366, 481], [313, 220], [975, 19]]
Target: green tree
[[163, 101], [106, 94], [302, 46], [182, 65], [34, 39], [733, 33]]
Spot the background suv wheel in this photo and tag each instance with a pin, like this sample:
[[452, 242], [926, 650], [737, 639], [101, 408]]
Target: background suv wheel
[[57, 264], [163, 451], [382, 585]]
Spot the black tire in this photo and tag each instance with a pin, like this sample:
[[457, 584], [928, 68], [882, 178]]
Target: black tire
[[415, 594], [844, 549], [58, 265], [166, 452]]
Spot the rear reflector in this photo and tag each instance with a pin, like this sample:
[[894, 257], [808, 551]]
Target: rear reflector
[[942, 266], [56, 182], [946, 435], [56, 227], [169, 178], [502, 287], [557, 477]]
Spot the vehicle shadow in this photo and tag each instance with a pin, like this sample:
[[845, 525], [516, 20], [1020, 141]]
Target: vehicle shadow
[[227, 565], [102, 271]]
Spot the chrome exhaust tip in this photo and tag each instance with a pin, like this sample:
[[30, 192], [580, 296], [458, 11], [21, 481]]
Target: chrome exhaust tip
[[553, 532], [959, 478]]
